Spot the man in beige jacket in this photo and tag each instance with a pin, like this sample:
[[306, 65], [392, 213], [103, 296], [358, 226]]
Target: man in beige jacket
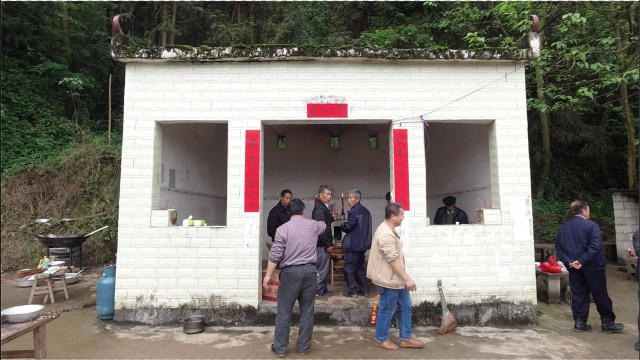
[[386, 271]]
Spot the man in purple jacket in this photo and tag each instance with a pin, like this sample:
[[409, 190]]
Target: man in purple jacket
[[294, 253], [579, 245]]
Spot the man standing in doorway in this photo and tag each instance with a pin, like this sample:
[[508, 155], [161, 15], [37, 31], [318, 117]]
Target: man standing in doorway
[[579, 244], [294, 253], [325, 240], [388, 197], [449, 214], [386, 270], [355, 245], [279, 214]]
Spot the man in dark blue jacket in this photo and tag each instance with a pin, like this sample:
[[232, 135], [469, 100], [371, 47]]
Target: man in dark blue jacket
[[579, 246], [355, 245]]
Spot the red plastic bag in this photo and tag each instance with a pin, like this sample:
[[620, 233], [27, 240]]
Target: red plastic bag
[[551, 266]]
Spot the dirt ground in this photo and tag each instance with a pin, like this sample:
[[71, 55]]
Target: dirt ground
[[79, 334]]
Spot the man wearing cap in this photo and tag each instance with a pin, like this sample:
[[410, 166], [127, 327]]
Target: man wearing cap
[[450, 214]]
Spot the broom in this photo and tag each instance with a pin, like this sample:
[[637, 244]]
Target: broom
[[448, 323]]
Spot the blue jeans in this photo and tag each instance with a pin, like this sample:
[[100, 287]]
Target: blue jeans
[[389, 299]]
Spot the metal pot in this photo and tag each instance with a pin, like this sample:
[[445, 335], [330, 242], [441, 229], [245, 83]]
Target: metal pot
[[65, 240], [193, 324]]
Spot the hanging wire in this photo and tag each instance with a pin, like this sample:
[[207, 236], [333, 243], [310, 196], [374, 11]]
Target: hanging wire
[[413, 119]]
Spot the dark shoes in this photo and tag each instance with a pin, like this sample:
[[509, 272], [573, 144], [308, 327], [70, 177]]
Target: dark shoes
[[303, 353], [581, 326], [360, 293], [273, 350], [638, 346], [612, 327], [321, 297], [348, 295]]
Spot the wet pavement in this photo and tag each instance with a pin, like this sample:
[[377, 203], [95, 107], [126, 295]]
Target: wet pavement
[[79, 334]]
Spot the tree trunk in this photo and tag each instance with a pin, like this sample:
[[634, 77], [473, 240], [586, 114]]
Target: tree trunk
[[66, 38], [545, 133], [174, 17], [253, 24], [165, 21], [629, 121]]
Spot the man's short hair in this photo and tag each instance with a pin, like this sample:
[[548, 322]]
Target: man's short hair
[[356, 193], [392, 209], [577, 207], [284, 192], [388, 196], [323, 188], [296, 206], [449, 200]]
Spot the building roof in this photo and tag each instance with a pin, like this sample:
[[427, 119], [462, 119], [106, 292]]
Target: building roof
[[262, 53]]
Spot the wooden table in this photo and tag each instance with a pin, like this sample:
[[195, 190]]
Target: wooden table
[[13, 331], [337, 262]]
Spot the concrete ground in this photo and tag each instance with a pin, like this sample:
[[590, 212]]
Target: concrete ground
[[79, 334]]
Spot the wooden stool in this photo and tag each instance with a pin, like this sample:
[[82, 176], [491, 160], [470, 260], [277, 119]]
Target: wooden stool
[[47, 284], [336, 265]]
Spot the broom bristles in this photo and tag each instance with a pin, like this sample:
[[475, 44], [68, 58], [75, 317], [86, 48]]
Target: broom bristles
[[448, 324]]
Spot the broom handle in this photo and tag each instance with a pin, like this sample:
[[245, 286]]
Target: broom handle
[[442, 301]]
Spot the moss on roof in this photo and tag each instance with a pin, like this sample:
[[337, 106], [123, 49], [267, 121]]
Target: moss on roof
[[182, 53]]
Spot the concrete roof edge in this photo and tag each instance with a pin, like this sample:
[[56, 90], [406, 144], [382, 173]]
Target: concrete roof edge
[[265, 53]]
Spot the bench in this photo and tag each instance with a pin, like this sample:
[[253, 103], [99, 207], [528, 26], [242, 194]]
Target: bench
[[632, 262], [610, 251], [37, 326], [545, 250], [551, 286]]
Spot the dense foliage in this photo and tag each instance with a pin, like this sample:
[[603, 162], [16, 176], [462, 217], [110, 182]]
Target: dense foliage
[[582, 91]]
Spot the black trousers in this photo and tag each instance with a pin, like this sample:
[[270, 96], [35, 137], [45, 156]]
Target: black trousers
[[355, 274], [585, 283]]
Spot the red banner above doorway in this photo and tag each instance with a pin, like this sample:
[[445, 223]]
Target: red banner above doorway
[[327, 110], [401, 167], [252, 171]]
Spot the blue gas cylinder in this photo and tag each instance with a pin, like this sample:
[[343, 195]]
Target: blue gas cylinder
[[106, 293]]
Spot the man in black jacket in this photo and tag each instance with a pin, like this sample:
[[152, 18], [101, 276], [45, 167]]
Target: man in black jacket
[[325, 240], [279, 214], [450, 214], [355, 245], [579, 245]]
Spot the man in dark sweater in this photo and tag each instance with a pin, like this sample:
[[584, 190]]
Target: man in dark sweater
[[325, 240], [449, 214], [279, 214], [579, 246]]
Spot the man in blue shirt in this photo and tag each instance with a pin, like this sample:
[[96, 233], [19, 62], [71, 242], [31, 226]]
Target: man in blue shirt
[[355, 245]]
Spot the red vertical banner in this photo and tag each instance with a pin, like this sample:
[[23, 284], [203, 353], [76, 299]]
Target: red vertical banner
[[252, 171], [401, 167]]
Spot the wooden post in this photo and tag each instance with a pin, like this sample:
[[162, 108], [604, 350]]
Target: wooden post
[[109, 132], [40, 342]]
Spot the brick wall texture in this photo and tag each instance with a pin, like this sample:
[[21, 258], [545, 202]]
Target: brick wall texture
[[171, 266]]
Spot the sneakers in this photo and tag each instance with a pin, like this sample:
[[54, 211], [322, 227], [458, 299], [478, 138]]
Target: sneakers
[[581, 326], [321, 297], [411, 343], [612, 327], [273, 350]]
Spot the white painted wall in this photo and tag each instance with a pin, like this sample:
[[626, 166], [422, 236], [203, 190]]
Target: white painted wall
[[197, 155], [458, 164], [174, 265]]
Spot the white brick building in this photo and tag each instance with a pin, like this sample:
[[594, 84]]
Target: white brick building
[[186, 122]]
